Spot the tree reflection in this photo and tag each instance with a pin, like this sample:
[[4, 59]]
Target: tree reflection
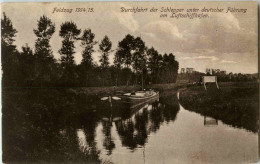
[[134, 130], [44, 125], [141, 120], [125, 130], [156, 116], [108, 143], [32, 123], [89, 123]]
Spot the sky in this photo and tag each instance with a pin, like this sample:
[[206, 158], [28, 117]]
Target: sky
[[226, 41]]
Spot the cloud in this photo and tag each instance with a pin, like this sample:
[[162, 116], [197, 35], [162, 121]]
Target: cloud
[[225, 33], [198, 43], [152, 35], [163, 29], [228, 62], [127, 20], [212, 58], [228, 21]]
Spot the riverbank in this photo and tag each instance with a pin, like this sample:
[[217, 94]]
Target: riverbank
[[235, 104], [100, 91], [96, 91]]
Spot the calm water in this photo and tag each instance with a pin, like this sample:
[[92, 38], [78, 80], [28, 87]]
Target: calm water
[[158, 132], [185, 138]]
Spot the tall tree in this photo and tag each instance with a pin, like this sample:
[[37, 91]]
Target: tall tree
[[169, 69], [125, 50], [154, 63], [45, 61], [165, 69], [105, 48], [9, 52], [69, 32], [8, 32], [123, 55], [44, 32], [26, 65], [139, 56], [174, 67], [117, 67], [87, 43], [118, 60]]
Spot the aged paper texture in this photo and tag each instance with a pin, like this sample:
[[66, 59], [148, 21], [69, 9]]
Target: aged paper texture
[[130, 82]]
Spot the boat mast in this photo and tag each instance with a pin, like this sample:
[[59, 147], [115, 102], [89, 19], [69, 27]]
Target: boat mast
[[142, 80]]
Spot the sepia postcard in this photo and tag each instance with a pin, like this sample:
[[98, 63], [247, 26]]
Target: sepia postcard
[[130, 82]]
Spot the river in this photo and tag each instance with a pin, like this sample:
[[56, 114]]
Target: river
[[55, 126], [188, 138]]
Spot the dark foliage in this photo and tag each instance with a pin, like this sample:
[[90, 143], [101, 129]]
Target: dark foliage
[[9, 53], [45, 65], [105, 48], [234, 104], [134, 63], [69, 32], [39, 125]]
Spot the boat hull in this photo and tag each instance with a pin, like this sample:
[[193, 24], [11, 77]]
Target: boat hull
[[134, 102]]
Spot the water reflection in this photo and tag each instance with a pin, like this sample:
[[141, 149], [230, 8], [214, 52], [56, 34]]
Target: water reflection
[[82, 139], [134, 125], [70, 128], [108, 143]]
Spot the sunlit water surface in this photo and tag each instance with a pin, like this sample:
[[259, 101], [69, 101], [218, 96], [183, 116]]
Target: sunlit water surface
[[186, 137]]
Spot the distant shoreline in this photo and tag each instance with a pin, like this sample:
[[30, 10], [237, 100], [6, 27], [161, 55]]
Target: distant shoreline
[[235, 103], [104, 90]]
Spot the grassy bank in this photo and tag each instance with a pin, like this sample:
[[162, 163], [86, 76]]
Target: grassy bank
[[235, 104], [96, 91], [91, 91]]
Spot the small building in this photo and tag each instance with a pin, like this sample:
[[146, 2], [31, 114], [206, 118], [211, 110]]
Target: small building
[[182, 70], [190, 70], [211, 71]]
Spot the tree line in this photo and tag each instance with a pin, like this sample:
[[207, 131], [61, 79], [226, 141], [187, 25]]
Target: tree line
[[133, 61]]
